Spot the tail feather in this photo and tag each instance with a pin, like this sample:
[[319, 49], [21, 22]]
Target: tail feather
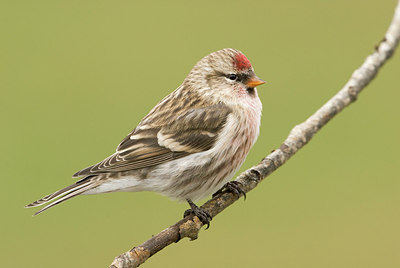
[[63, 194], [64, 198]]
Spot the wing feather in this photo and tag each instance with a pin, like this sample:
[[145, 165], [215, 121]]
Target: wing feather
[[152, 144]]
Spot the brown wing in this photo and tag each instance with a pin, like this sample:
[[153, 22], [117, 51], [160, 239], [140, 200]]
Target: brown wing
[[151, 144]]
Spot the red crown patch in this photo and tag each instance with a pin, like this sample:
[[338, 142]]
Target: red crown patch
[[241, 62]]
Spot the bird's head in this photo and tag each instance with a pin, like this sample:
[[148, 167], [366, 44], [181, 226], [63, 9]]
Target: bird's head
[[224, 75]]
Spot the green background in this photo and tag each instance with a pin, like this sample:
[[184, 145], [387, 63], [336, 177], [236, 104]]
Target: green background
[[77, 76]]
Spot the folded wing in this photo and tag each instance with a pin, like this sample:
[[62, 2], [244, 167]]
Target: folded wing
[[151, 143]]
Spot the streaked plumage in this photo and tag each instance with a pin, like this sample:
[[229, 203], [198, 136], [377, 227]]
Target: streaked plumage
[[190, 144]]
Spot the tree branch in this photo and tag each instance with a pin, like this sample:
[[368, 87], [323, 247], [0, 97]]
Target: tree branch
[[298, 137]]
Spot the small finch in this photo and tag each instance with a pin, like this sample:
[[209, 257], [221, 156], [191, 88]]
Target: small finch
[[190, 144]]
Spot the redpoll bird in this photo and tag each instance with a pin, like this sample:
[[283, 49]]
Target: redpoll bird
[[190, 144]]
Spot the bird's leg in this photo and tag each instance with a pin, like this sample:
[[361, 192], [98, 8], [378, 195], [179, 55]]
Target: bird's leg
[[234, 187], [203, 215]]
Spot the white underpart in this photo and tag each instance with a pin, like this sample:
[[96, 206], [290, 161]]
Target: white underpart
[[125, 184], [165, 176], [170, 172]]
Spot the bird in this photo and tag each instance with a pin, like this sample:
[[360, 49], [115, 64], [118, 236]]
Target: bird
[[189, 145]]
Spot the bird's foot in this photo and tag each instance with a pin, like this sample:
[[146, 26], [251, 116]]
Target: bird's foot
[[203, 215], [234, 187]]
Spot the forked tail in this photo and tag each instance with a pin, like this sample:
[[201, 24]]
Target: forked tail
[[64, 194]]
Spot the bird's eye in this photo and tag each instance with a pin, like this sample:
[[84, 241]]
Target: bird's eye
[[232, 76]]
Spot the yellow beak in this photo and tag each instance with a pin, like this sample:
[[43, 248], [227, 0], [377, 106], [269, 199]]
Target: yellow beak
[[254, 81]]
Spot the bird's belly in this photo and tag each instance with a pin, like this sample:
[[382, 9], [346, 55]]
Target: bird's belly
[[201, 174], [191, 177], [195, 177]]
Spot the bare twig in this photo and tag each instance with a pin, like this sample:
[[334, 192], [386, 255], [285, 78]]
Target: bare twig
[[298, 137]]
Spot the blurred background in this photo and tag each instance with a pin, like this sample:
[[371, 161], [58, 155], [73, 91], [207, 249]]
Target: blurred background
[[77, 76]]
